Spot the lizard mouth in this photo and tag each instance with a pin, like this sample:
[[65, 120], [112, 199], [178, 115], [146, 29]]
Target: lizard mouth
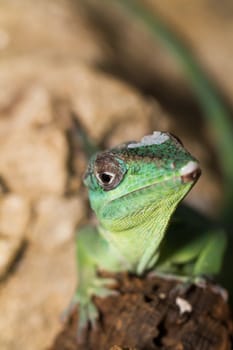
[[190, 172]]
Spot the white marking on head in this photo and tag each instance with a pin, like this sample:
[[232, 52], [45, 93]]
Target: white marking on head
[[156, 138], [183, 305], [188, 168]]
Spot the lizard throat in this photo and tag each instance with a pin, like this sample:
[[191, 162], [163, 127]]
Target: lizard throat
[[139, 245]]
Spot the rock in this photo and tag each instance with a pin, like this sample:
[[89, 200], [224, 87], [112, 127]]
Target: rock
[[14, 218], [112, 108], [69, 35], [33, 298], [14, 215], [32, 116], [32, 109], [33, 161], [55, 221]]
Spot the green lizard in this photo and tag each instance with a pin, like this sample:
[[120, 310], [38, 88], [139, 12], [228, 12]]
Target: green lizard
[[134, 189]]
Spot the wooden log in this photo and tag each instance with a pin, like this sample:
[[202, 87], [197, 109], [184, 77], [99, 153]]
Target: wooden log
[[155, 313]]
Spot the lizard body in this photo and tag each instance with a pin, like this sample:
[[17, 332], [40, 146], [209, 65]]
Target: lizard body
[[134, 189]]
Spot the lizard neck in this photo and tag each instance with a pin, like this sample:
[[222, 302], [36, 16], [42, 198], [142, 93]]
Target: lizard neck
[[138, 242]]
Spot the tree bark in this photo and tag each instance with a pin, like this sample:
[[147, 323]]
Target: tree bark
[[155, 313]]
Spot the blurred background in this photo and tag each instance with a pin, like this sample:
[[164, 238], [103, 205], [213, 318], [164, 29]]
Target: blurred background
[[71, 66]]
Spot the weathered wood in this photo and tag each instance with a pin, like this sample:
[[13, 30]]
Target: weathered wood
[[154, 313]]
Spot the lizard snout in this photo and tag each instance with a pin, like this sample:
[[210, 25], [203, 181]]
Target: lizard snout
[[190, 172]]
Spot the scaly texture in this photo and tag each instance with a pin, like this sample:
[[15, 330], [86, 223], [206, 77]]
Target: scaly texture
[[134, 189]]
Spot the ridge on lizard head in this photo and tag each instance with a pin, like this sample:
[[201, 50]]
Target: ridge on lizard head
[[132, 184]]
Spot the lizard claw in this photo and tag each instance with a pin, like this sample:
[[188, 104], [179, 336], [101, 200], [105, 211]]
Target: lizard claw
[[107, 282], [201, 282], [206, 281], [100, 287], [68, 311], [181, 288], [87, 314], [166, 276]]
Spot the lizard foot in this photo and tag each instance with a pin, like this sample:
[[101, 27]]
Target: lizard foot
[[188, 282], [182, 288], [88, 313], [201, 282], [166, 276], [207, 281]]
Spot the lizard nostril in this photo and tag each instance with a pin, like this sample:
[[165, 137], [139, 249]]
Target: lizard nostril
[[194, 175], [190, 172]]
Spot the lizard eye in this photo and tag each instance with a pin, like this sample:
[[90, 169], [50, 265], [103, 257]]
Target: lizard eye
[[108, 171], [105, 178]]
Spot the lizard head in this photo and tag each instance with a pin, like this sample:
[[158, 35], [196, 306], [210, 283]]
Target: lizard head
[[136, 178]]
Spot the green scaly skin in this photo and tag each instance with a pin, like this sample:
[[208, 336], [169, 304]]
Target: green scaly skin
[[134, 190]]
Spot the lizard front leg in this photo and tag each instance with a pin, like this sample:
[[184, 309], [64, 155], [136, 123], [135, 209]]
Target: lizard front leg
[[92, 253], [199, 260], [210, 259]]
